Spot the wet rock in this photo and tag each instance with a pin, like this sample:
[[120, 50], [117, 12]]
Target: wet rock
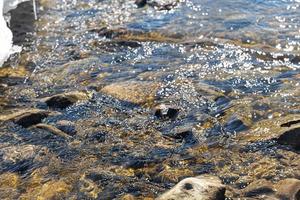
[[290, 123], [114, 45], [9, 183], [235, 124], [62, 101], [52, 130], [122, 34], [9, 180], [259, 188], [288, 189], [97, 137], [202, 187], [136, 163], [183, 134], [141, 3], [166, 111], [66, 126], [50, 190], [128, 197], [26, 117], [19, 72], [290, 137], [89, 188], [137, 92], [19, 154]]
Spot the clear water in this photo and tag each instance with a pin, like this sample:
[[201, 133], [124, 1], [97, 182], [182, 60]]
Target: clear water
[[232, 67]]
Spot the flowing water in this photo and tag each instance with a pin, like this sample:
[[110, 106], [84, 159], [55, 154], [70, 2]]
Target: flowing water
[[230, 67]]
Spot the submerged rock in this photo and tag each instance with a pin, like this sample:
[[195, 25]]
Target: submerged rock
[[290, 137], [141, 3], [166, 111], [288, 189], [52, 130], [66, 126], [26, 117], [290, 123], [204, 187], [9, 180], [259, 188], [137, 92], [62, 101], [183, 134], [262, 189], [50, 190], [235, 124]]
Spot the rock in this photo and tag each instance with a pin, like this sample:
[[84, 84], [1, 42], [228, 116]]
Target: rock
[[288, 189], [26, 117], [235, 124], [290, 137], [62, 101], [52, 130], [204, 187], [9, 180], [66, 126], [290, 123], [166, 111], [137, 92], [128, 197], [20, 154], [50, 190], [20, 72], [183, 134], [259, 188], [97, 137], [141, 3]]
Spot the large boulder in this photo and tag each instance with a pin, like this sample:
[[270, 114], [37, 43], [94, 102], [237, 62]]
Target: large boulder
[[204, 187]]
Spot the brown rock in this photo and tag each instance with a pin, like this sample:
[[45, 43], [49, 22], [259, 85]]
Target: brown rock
[[26, 117], [52, 129], [259, 188], [137, 92], [9, 180], [128, 197], [13, 72], [288, 189], [65, 100], [50, 190]]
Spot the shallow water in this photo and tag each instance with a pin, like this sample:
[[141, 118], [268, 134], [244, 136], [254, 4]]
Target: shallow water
[[231, 67]]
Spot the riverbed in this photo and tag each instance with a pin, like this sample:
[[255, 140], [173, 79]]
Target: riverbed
[[114, 99]]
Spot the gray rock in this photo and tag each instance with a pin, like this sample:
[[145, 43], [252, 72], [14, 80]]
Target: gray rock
[[204, 187]]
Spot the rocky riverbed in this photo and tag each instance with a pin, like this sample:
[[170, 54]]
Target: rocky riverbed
[[152, 99]]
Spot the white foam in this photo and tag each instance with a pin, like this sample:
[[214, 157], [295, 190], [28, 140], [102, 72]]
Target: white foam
[[6, 37]]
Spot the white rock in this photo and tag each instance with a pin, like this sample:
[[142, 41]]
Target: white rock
[[204, 187]]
